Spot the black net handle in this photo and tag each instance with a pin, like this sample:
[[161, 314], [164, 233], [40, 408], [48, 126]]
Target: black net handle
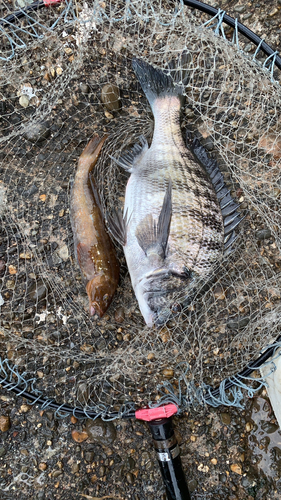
[[230, 21], [11, 18]]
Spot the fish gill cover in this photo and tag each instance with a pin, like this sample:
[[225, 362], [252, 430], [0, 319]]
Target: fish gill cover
[[76, 80]]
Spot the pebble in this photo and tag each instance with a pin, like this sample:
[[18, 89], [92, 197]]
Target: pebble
[[102, 470], [63, 253], [75, 468], [264, 234], [79, 436], [100, 431], [42, 466], [57, 473], [236, 468], [236, 325], [37, 291], [249, 426], [89, 456], [2, 265], [84, 88], [225, 418], [110, 97], [130, 478], [268, 427], [192, 485], [37, 132], [108, 115], [247, 16], [273, 12], [5, 423], [119, 314], [23, 101], [240, 8], [2, 451], [168, 373]]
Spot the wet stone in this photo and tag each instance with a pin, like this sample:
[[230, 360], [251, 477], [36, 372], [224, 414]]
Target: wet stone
[[192, 485], [37, 291], [130, 463], [101, 344], [2, 451], [100, 431], [240, 8], [264, 234], [84, 88], [23, 101], [110, 97], [225, 418], [5, 423], [89, 456], [119, 314], [268, 427], [130, 478], [37, 132], [75, 468], [57, 473], [102, 470], [236, 325]]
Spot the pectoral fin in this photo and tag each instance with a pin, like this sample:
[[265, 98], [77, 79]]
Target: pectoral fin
[[153, 237]]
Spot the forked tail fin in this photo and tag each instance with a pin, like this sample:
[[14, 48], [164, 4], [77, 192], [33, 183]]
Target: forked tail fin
[[160, 83]]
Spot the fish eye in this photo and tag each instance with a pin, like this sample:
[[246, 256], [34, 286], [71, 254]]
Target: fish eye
[[105, 297]]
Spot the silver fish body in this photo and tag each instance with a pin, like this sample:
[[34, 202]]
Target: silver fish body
[[173, 228]]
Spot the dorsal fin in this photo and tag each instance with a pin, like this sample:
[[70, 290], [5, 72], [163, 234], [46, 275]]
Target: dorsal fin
[[228, 206]]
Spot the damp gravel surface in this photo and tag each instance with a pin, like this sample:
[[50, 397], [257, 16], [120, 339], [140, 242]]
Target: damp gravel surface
[[227, 453]]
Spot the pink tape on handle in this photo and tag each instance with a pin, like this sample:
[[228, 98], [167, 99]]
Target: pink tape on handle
[[149, 414], [51, 2]]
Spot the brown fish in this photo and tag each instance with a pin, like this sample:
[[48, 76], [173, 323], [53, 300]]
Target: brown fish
[[94, 250]]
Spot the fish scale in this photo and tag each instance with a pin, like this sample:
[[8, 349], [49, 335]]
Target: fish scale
[[173, 229]]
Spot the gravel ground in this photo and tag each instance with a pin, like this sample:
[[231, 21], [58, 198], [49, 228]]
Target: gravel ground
[[227, 453]]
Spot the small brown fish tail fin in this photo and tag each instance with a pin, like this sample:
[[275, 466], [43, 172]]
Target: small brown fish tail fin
[[92, 150]]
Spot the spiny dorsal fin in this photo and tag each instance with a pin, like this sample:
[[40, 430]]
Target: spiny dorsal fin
[[228, 206]]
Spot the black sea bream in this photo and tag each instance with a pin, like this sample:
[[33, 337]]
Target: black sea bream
[[172, 230]]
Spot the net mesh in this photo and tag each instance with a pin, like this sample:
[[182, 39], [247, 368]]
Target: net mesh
[[51, 104]]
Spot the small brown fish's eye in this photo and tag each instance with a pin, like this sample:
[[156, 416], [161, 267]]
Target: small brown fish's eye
[[105, 297]]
